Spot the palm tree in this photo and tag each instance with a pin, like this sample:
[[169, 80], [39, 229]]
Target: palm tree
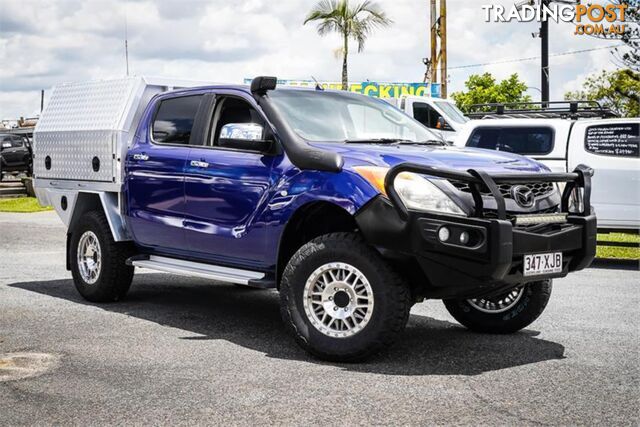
[[351, 22]]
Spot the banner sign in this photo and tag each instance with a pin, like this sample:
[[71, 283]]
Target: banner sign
[[375, 89]]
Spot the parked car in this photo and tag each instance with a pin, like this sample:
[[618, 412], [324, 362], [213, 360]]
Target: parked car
[[440, 115], [339, 201], [15, 155], [611, 146]]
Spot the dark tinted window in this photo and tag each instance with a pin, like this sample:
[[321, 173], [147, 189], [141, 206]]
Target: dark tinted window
[[616, 139], [531, 140], [174, 119], [17, 141]]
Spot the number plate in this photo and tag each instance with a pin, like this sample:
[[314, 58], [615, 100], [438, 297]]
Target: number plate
[[537, 264]]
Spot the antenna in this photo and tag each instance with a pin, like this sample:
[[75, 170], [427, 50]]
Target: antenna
[[126, 42], [318, 86]]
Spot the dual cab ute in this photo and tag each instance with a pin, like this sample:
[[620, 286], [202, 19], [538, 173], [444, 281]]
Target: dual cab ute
[[351, 209]]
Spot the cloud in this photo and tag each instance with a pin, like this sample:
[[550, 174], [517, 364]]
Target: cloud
[[46, 43]]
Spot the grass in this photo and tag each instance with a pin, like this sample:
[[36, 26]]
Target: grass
[[22, 205], [619, 253]]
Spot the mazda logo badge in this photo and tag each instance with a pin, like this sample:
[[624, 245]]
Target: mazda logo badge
[[523, 196]]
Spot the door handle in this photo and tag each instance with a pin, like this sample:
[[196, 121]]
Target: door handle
[[199, 164], [141, 157]]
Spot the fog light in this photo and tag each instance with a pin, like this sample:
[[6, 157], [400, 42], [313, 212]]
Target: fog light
[[464, 237], [443, 234]]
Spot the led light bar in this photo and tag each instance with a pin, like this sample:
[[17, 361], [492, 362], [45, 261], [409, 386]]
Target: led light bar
[[554, 218]]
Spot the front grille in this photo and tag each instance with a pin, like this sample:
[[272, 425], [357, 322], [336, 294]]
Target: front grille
[[540, 189]]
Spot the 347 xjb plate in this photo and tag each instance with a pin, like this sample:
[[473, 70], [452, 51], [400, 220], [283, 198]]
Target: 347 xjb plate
[[538, 264]]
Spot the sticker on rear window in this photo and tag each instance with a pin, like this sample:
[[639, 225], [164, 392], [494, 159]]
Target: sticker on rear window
[[615, 139]]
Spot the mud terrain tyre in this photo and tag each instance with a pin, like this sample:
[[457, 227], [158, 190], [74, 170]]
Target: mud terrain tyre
[[341, 301], [503, 314], [98, 265]]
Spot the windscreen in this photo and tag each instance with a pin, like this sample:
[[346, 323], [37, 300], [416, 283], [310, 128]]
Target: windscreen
[[337, 117], [452, 112]]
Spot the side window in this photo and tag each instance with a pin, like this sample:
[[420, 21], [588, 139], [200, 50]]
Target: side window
[[235, 110], [615, 139], [526, 140], [17, 141], [174, 119], [426, 115]]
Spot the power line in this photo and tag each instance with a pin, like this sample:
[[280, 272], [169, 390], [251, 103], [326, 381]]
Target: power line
[[533, 58]]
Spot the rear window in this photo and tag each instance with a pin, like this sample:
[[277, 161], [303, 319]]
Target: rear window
[[174, 119], [615, 139], [526, 140]]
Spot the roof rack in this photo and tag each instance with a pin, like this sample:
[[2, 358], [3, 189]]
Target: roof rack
[[540, 110]]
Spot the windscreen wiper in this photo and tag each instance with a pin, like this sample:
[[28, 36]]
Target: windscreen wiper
[[426, 142], [377, 141]]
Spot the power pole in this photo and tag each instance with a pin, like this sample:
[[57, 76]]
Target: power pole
[[439, 44], [434, 42], [544, 63], [443, 46]]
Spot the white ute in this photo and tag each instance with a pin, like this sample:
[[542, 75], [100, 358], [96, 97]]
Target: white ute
[[608, 145], [440, 115]]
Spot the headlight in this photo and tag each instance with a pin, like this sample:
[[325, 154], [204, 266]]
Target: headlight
[[416, 192]]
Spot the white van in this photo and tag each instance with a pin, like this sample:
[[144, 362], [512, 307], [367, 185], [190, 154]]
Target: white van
[[438, 114], [610, 146]]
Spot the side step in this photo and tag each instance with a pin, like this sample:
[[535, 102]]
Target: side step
[[207, 271]]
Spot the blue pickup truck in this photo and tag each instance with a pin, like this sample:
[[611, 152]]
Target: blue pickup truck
[[351, 209]]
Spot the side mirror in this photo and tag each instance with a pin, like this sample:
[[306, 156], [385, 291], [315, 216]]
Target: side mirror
[[442, 124], [243, 136]]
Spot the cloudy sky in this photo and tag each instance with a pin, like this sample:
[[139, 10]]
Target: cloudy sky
[[44, 43]]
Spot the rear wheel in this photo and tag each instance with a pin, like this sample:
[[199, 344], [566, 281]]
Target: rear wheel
[[341, 300], [503, 314], [98, 263]]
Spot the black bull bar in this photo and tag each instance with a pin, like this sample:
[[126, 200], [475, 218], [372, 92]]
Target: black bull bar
[[476, 179]]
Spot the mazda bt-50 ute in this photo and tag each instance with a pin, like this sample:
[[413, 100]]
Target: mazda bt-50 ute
[[350, 209]]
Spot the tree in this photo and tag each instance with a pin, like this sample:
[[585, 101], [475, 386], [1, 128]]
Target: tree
[[618, 90], [355, 23], [631, 37], [483, 89]]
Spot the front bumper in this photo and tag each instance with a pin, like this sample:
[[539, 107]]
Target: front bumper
[[493, 259]]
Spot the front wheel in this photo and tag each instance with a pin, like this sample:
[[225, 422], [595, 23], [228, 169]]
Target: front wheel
[[503, 314], [341, 300]]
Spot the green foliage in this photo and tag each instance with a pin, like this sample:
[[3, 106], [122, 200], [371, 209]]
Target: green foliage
[[631, 38], [355, 23], [618, 90], [483, 89]]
